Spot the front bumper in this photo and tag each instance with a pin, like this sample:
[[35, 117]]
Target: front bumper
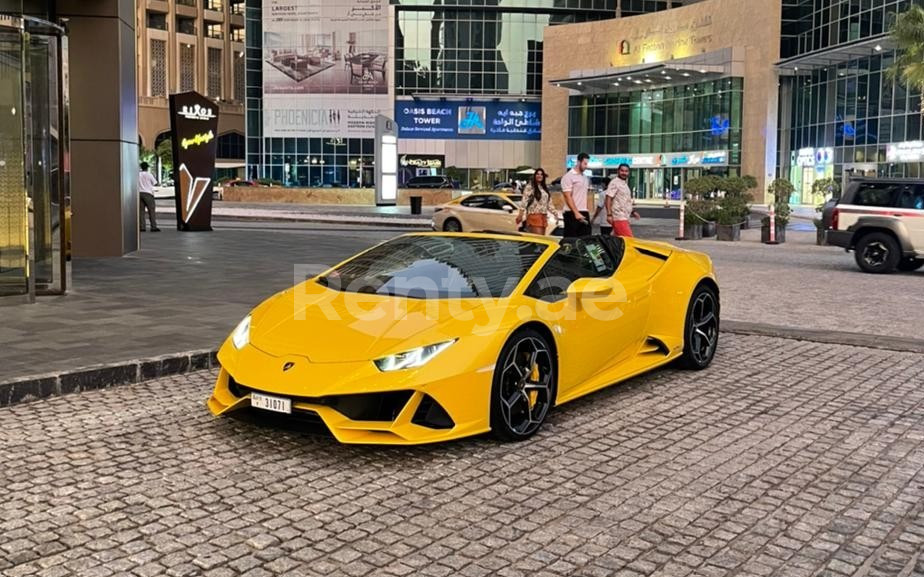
[[359, 405]]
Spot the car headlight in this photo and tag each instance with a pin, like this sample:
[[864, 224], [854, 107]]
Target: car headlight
[[413, 358], [241, 335]]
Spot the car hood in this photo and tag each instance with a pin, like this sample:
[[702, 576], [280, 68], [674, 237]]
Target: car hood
[[327, 326]]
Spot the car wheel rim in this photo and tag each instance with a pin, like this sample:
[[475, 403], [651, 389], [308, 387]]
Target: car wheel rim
[[526, 386], [875, 254], [705, 329], [453, 226]]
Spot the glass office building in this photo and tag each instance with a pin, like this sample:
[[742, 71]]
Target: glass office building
[[443, 48], [840, 115], [676, 120]]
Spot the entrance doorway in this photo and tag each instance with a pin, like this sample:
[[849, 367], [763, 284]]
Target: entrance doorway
[[34, 174]]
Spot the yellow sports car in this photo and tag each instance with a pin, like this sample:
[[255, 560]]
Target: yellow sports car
[[437, 336]]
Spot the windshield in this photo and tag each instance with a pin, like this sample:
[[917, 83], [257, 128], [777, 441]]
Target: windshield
[[437, 267]]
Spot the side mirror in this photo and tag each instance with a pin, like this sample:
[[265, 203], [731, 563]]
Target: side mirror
[[590, 288], [508, 208]]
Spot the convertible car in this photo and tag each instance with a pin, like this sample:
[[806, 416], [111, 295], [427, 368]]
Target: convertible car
[[437, 336]]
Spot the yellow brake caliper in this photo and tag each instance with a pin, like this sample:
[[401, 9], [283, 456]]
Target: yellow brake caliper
[[534, 378]]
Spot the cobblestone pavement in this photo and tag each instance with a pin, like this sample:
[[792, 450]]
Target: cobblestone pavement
[[785, 458]]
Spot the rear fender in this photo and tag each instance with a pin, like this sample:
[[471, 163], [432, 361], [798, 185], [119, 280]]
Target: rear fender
[[867, 224]]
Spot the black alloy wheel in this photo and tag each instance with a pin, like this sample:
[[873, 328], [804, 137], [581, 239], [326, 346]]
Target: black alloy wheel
[[877, 253], [701, 329], [523, 391]]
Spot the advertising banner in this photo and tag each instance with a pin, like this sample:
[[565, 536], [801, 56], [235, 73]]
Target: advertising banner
[[474, 120], [194, 125], [325, 67]]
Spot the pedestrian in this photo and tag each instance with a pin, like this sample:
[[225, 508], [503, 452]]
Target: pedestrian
[[535, 204], [146, 184], [600, 217], [574, 187], [619, 204]]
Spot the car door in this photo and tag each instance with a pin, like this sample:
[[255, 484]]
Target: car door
[[915, 219], [487, 212], [592, 337]]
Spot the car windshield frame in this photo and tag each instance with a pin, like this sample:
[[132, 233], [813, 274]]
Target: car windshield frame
[[439, 267]]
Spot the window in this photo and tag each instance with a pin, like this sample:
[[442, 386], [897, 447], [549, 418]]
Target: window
[[488, 201], [158, 68], [429, 267], [576, 258], [214, 68], [875, 194], [239, 84], [187, 67]]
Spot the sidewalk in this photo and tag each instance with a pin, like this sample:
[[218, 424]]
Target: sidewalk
[[323, 213]]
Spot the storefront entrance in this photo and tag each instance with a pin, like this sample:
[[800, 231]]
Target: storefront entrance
[[34, 175]]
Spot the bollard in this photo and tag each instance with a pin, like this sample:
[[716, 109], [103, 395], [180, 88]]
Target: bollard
[[667, 196], [772, 226], [682, 208]]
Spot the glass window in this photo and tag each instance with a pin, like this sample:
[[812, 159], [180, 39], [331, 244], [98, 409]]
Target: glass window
[[875, 194], [429, 267], [575, 259]]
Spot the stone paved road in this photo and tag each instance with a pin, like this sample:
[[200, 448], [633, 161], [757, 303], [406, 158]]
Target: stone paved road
[[785, 458]]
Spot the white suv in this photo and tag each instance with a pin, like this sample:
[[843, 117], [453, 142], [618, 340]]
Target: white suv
[[882, 221]]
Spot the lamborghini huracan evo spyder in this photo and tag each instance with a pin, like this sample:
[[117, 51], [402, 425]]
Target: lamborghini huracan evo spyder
[[437, 336]]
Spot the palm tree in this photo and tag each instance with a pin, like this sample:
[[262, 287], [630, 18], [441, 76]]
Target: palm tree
[[908, 34]]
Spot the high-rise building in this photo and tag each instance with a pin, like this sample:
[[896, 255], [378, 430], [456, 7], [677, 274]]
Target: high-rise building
[[840, 114], [186, 45]]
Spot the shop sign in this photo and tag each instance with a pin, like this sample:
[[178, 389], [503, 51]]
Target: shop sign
[[461, 120], [814, 156], [422, 161], [685, 159], [911, 151], [193, 124]]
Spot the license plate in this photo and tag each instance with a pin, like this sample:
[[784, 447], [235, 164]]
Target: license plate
[[268, 403]]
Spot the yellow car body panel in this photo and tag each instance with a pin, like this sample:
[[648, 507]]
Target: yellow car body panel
[[316, 346]]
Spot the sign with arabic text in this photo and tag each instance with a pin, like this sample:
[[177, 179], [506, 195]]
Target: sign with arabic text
[[472, 120]]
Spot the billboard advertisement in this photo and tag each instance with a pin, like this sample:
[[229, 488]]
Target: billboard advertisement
[[325, 67], [194, 125], [474, 120]]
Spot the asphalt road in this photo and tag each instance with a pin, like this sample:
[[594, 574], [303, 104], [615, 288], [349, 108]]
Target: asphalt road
[[784, 458]]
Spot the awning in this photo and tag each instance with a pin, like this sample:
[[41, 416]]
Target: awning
[[702, 67], [229, 164], [836, 55]]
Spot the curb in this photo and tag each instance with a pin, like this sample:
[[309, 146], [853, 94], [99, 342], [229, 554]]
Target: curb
[[352, 220], [881, 342], [103, 376]]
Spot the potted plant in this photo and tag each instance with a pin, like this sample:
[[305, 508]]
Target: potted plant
[[781, 189], [732, 209], [710, 213], [739, 185], [692, 223], [824, 190]]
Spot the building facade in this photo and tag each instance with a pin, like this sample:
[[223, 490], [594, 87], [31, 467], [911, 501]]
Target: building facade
[[464, 83], [68, 138], [192, 45], [840, 113], [674, 95]]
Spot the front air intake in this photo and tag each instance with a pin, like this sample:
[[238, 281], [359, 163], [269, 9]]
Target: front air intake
[[432, 415]]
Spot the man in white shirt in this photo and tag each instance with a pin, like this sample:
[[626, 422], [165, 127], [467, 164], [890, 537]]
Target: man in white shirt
[[619, 204], [146, 184], [574, 187]]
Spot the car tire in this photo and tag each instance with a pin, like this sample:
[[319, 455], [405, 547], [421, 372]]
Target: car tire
[[701, 329], [524, 386], [910, 264], [877, 253], [452, 225]]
